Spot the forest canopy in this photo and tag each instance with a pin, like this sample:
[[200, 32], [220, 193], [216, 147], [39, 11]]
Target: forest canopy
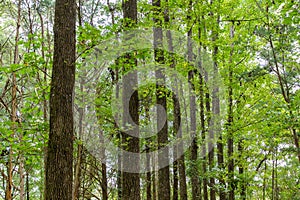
[[161, 99]]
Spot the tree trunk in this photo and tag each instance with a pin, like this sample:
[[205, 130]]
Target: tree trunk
[[231, 185], [14, 118], [194, 147], [27, 187], [154, 179], [242, 181], [59, 166], [162, 138], [203, 77], [45, 103], [130, 181]]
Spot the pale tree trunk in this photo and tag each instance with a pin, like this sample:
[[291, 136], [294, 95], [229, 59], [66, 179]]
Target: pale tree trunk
[[154, 179], [14, 118], [22, 177], [78, 164]]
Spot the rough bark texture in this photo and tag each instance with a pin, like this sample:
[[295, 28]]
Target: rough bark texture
[[130, 138], [162, 138], [59, 168]]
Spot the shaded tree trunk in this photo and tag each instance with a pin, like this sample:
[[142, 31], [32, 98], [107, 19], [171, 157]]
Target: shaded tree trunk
[[130, 138], [194, 146], [231, 185], [59, 166], [203, 77], [162, 138]]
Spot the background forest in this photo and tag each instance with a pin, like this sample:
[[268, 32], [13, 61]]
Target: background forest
[[252, 44]]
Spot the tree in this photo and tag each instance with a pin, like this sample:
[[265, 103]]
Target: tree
[[59, 166], [164, 192], [130, 137]]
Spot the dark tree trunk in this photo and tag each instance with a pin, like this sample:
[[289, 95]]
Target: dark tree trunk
[[148, 174], [130, 139], [231, 185], [216, 112], [194, 136], [241, 172], [203, 77], [59, 168], [162, 138]]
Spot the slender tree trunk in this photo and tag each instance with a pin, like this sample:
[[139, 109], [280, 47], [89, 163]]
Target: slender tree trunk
[[241, 171], [14, 118], [231, 185], [148, 174], [77, 175], [22, 177], [27, 187], [59, 166], [178, 131], [78, 165], [103, 170], [162, 138], [178, 165], [154, 179], [45, 103], [148, 157], [203, 77], [194, 147], [264, 182]]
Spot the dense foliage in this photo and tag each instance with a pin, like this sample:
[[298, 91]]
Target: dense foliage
[[255, 47]]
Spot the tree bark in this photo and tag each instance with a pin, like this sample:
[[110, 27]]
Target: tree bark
[[14, 117], [193, 128], [59, 166], [162, 138], [203, 99], [130, 138], [231, 185]]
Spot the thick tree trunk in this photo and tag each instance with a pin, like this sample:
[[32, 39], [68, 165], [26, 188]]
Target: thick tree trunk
[[59, 166], [130, 138]]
